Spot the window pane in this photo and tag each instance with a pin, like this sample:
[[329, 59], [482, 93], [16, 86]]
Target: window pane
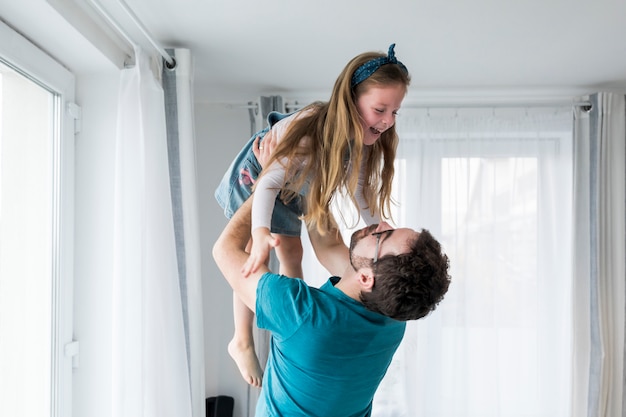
[[495, 202], [492, 203], [26, 245]]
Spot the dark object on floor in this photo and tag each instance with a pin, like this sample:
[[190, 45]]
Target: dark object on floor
[[220, 406]]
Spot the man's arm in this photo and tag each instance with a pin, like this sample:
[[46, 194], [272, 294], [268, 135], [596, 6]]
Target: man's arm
[[331, 251], [230, 255]]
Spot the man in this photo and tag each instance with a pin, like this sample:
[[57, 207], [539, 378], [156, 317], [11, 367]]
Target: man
[[331, 347]]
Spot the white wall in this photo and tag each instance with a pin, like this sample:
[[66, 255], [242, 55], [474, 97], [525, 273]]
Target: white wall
[[220, 134]]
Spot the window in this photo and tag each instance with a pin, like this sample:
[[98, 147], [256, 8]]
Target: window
[[494, 186], [36, 225]]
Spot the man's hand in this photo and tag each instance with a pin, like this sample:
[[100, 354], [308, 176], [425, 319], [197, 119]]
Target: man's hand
[[263, 148], [262, 243], [230, 255]]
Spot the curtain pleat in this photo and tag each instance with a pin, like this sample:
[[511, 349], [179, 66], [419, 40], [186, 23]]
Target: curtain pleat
[[599, 256], [264, 106]]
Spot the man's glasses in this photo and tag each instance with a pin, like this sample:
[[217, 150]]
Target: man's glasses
[[378, 235]]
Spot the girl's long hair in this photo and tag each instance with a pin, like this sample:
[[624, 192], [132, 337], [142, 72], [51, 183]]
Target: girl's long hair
[[334, 149]]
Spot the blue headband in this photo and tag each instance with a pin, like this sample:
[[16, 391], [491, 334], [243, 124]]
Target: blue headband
[[366, 70]]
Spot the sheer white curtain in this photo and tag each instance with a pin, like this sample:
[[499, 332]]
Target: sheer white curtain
[[156, 345], [600, 256], [494, 186]]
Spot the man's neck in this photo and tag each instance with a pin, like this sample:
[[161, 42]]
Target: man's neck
[[347, 285]]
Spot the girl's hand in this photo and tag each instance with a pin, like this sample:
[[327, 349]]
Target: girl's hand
[[263, 148], [262, 243]]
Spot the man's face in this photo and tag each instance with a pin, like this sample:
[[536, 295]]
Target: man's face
[[378, 240]]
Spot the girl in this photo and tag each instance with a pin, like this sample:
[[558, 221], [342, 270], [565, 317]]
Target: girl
[[346, 145]]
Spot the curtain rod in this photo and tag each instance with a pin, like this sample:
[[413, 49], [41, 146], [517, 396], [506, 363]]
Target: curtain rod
[[170, 61], [585, 105], [511, 104]]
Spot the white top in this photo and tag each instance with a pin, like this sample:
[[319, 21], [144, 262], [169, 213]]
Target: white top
[[269, 185]]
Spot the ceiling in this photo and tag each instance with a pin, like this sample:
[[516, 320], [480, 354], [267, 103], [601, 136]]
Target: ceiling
[[244, 48]]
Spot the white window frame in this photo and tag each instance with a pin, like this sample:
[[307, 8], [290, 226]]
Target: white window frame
[[35, 64]]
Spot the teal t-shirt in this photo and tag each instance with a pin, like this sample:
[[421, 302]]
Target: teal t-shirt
[[328, 353]]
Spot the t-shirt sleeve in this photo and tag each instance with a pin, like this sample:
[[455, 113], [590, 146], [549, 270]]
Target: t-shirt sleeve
[[282, 304]]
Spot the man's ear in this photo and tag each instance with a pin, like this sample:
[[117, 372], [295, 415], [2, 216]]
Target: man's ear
[[366, 279]]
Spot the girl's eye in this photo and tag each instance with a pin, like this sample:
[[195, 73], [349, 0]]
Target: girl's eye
[[395, 113], [380, 110]]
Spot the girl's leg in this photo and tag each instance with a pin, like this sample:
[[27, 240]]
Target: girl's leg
[[241, 347], [289, 254]]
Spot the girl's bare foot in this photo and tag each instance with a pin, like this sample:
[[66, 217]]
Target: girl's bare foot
[[247, 362]]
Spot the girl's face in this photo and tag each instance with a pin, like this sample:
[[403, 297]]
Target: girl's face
[[378, 108]]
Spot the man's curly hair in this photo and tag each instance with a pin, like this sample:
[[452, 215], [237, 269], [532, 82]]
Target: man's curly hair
[[411, 285]]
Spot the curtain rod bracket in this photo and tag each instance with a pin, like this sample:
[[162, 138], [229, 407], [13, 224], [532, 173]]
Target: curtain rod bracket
[[170, 65]]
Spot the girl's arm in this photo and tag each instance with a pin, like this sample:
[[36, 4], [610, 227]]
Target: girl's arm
[[265, 194], [264, 200]]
